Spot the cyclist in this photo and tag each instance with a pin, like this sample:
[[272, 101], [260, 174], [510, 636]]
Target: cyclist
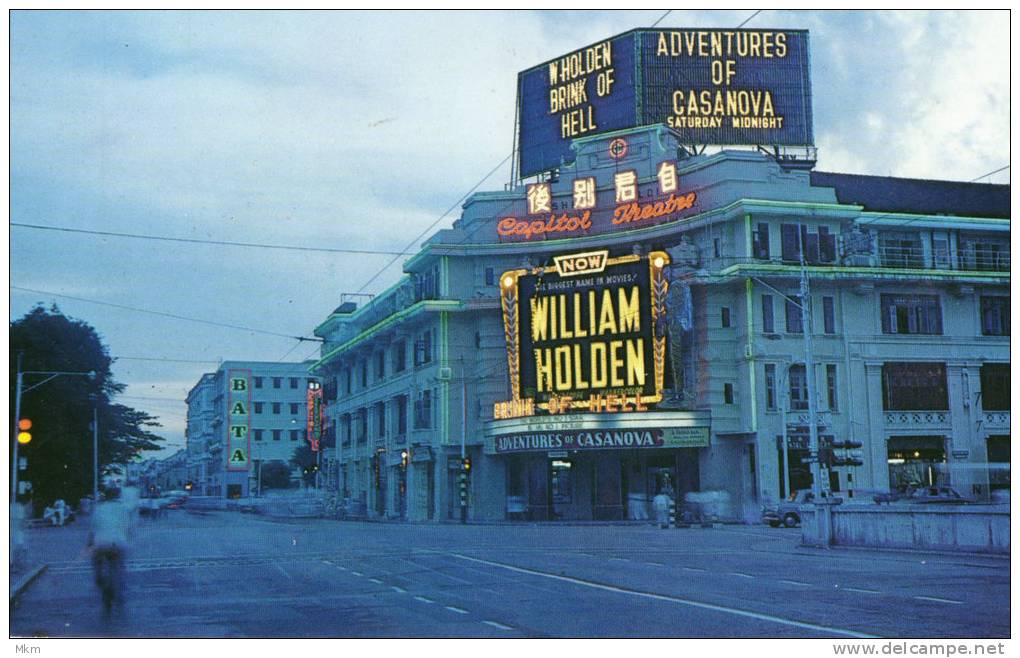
[[111, 524]]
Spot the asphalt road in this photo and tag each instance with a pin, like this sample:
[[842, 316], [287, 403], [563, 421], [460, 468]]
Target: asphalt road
[[232, 575]]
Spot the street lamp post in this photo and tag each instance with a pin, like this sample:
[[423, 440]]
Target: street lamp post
[[20, 390]]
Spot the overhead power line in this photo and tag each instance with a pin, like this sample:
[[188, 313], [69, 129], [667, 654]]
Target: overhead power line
[[748, 19], [662, 17], [153, 358], [164, 314], [221, 243], [974, 180], [414, 242]]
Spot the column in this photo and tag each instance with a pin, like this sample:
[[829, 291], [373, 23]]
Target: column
[[874, 437]]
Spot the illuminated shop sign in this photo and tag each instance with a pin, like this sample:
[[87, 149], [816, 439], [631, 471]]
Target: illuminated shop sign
[[585, 334], [629, 203], [712, 86], [239, 413], [313, 428], [600, 439]]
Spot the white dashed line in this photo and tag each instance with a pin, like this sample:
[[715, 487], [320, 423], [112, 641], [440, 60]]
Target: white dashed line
[[655, 564], [741, 575], [862, 591], [498, 625], [673, 599], [459, 611], [398, 590], [938, 600], [357, 573], [691, 569], [586, 554], [376, 581], [423, 599], [618, 559], [796, 582], [341, 568]]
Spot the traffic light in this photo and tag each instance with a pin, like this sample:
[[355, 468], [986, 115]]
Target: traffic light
[[852, 456], [24, 436], [466, 464], [403, 458]]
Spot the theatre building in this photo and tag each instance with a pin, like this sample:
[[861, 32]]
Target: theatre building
[[629, 316], [671, 350]]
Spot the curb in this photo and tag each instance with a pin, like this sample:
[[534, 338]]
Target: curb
[[18, 588]]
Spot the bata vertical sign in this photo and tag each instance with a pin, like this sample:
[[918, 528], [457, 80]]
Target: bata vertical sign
[[239, 413], [585, 334], [713, 86]]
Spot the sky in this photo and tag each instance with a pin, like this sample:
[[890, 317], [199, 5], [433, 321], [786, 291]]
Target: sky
[[358, 130]]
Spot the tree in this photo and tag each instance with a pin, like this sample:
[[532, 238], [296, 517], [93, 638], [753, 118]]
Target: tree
[[275, 475], [307, 461], [60, 454]]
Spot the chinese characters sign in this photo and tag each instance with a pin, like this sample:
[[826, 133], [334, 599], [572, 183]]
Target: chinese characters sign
[[581, 334], [712, 86], [239, 415], [630, 203]]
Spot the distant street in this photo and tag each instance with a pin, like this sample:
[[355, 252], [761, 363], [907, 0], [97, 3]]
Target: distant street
[[224, 574]]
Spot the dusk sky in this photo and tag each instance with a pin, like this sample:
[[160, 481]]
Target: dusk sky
[[356, 131]]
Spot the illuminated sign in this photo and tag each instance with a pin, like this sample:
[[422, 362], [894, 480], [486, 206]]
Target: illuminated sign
[[313, 428], [239, 419], [629, 203], [712, 86], [600, 439], [585, 341]]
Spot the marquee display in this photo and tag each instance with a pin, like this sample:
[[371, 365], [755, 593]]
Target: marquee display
[[712, 86], [585, 334]]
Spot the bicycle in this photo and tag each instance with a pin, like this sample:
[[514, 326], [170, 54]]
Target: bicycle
[[108, 564]]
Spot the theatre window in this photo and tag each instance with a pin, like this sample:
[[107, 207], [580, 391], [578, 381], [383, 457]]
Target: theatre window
[[914, 387]]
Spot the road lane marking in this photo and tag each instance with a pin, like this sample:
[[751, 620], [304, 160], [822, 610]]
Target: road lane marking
[[742, 575], [399, 590], [423, 599], [796, 582], [357, 573], [673, 599], [938, 600], [459, 611], [376, 581], [618, 559], [497, 625], [655, 564], [586, 554], [862, 591], [692, 569], [340, 568]]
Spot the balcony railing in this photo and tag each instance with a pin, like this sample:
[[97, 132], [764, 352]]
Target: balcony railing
[[996, 420], [926, 420]]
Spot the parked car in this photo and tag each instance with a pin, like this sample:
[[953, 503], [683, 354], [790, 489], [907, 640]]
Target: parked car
[[915, 494], [787, 513], [174, 499], [943, 495]]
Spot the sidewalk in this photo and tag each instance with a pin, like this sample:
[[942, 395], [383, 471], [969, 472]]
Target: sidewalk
[[46, 544]]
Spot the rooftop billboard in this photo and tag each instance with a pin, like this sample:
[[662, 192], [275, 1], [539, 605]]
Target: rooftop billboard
[[711, 86]]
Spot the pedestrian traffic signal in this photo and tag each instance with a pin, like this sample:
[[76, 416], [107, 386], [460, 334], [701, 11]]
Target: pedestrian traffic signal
[[24, 436]]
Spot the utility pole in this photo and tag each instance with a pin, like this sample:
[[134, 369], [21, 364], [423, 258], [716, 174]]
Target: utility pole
[[784, 404], [95, 451], [822, 509], [14, 434], [463, 445]]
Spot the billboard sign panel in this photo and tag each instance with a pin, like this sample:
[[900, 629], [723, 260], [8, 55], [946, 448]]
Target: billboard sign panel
[[239, 414], [585, 334], [711, 86], [313, 402]]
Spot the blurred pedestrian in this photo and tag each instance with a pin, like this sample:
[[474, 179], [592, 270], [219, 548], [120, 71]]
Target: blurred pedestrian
[[109, 537]]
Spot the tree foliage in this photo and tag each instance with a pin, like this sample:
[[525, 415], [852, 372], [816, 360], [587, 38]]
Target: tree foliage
[[307, 461], [275, 475], [60, 462]]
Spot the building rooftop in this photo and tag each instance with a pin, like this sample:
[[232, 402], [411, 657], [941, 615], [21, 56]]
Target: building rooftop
[[917, 196]]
